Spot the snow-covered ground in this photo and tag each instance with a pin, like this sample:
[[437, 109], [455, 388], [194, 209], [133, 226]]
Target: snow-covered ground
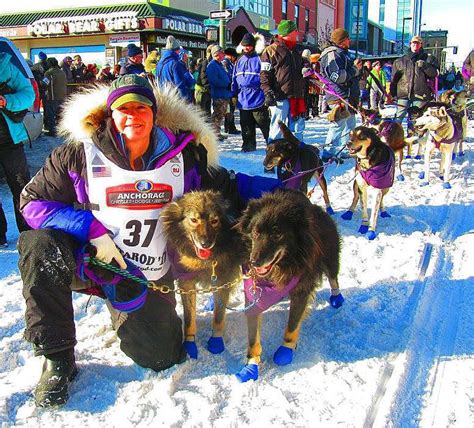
[[400, 352]]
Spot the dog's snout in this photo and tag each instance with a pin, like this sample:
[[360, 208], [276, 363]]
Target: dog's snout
[[206, 244]]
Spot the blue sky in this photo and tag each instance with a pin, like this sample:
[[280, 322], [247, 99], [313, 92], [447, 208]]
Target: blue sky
[[456, 16]]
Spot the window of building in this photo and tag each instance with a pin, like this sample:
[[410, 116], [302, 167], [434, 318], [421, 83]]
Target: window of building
[[284, 9], [297, 15], [306, 20], [262, 7]]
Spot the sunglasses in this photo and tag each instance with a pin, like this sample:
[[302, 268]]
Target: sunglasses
[[415, 43]]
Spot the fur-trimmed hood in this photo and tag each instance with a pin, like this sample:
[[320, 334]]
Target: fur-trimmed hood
[[259, 44], [85, 112]]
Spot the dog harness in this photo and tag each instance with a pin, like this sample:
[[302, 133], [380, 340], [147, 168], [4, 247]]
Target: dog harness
[[268, 293], [380, 176], [457, 133]]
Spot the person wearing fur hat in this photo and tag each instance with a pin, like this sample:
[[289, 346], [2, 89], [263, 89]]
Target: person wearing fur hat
[[170, 69], [282, 81], [250, 96], [130, 149], [342, 73], [134, 64]]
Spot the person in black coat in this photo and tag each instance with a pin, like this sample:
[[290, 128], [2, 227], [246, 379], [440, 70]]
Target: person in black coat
[[413, 78]]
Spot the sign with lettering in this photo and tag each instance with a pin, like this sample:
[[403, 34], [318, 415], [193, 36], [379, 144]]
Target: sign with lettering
[[221, 14], [120, 21], [191, 44], [182, 26], [124, 39]]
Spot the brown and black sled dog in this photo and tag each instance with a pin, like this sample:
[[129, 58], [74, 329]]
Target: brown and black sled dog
[[203, 248], [292, 158], [293, 243]]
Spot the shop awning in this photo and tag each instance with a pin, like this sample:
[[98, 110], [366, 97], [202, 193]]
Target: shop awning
[[143, 10]]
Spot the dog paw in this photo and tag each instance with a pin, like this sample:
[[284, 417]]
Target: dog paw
[[447, 185], [363, 229], [385, 214], [209, 306], [453, 156], [421, 175], [441, 177], [215, 345], [283, 356], [371, 235], [418, 157], [461, 154], [336, 301], [329, 210], [191, 349], [400, 177], [347, 215], [249, 372], [408, 157], [424, 183]]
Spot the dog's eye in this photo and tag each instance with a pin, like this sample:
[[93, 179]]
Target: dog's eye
[[214, 221], [193, 220]]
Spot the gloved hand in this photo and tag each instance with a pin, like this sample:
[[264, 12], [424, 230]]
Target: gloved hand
[[270, 99], [420, 63], [107, 250]]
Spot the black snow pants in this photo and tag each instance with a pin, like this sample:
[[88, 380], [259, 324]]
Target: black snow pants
[[249, 120], [152, 336]]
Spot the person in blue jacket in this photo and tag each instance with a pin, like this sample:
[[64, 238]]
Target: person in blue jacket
[[170, 69], [219, 81], [16, 96], [250, 96], [134, 64]]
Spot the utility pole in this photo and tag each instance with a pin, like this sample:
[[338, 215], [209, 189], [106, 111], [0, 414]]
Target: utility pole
[[222, 26]]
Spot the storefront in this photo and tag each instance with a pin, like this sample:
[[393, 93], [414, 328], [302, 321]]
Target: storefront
[[101, 34]]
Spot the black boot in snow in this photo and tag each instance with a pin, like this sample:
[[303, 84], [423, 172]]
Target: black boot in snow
[[58, 372]]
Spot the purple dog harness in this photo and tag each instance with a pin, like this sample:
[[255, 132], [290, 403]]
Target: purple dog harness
[[268, 294], [380, 176], [456, 135]]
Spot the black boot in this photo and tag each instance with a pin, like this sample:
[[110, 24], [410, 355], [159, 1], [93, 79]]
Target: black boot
[[59, 370]]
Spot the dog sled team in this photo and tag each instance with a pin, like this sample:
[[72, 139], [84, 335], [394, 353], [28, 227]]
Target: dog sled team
[[134, 208]]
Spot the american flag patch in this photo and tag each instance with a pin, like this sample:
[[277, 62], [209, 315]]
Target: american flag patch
[[101, 171]]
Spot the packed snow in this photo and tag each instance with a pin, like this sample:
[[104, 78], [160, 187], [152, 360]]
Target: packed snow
[[399, 352]]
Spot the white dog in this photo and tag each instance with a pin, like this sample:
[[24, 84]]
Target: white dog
[[443, 135]]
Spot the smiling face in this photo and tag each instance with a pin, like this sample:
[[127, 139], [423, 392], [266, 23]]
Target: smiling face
[[360, 140], [134, 121]]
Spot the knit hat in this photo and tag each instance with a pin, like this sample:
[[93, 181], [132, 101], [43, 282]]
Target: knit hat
[[42, 56], [215, 49], [286, 27], [133, 50], [171, 43], [248, 40], [131, 87], [182, 53], [339, 35], [306, 54]]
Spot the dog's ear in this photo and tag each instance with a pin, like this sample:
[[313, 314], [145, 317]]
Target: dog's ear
[[172, 213], [442, 112], [287, 134], [243, 225]]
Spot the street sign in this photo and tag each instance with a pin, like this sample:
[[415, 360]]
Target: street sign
[[221, 14], [212, 34], [212, 22]]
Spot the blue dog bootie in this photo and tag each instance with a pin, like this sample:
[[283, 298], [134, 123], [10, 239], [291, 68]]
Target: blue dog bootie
[[283, 356], [385, 214], [421, 175], [371, 235], [329, 210], [249, 372], [363, 229], [191, 349], [400, 177], [347, 215], [215, 345], [447, 185], [418, 157], [336, 301]]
